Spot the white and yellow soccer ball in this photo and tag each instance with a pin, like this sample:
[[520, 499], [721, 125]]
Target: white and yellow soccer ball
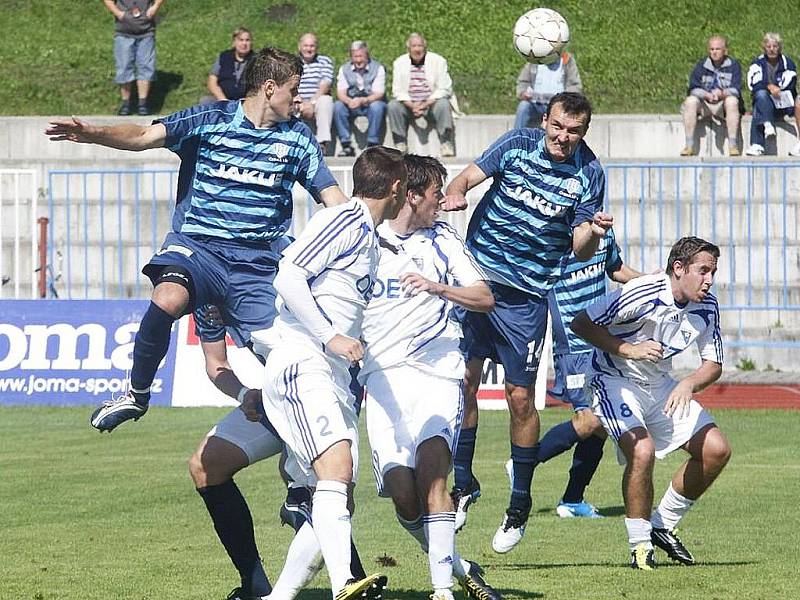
[[540, 35]]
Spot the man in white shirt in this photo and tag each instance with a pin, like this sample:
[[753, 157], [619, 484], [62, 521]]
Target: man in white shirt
[[413, 371], [325, 280], [422, 88], [636, 331]]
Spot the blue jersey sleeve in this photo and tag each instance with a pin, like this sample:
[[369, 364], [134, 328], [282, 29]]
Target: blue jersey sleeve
[[493, 159], [185, 125], [592, 199], [314, 175], [613, 255]]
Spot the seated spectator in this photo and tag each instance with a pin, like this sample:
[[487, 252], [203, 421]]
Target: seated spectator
[[225, 80], [715, 90], [361, 90], [315, 87], [421, 87], [772, 78], [536, 84]]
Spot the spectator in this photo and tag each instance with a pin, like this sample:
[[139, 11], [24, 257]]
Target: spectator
[[315, 87], [421, 87], [134, 49], [772, 78], [361, 90], [536, 84], [715, 90], [225, 81]]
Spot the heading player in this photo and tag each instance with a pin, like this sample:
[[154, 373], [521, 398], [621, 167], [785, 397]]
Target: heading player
[[545, 200]]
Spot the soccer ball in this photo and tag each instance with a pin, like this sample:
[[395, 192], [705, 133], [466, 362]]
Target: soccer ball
[[540, 35]]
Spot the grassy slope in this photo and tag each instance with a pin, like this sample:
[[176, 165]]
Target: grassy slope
[[633, 56], [90, 517]]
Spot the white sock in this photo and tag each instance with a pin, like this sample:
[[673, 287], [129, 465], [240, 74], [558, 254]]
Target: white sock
[[638, 532], [331, 522], [417, 531], [440, 530], [303, 561], [671, 509]]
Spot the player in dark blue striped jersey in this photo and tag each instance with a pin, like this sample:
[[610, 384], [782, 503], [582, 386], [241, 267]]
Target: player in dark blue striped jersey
[[239, 161], [581, 284], [545, 200]]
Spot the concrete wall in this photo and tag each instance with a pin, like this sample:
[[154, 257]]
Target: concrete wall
[[610, 136]]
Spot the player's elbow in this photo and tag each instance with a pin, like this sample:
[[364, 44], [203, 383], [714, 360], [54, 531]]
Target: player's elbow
[[580, 324], [714, 371], [485, 300]]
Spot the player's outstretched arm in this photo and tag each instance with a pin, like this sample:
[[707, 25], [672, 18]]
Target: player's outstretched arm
[[586, 236], [624, 274], [333, 195], [706, 374], [598, 336], [123, 137], [455, 194], [221, 374], [477, 297]]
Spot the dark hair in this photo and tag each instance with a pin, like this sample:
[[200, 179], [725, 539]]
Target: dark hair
[[686, 249], [572, 103], [423, 171], [376, 170], [271, 63]]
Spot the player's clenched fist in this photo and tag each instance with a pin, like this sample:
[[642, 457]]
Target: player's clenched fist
[[346, 347], [647, 350], [602, 222], [414, 283]]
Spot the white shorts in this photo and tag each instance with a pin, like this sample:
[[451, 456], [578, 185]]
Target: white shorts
[[310, 406], [622, 405], [405, 407], [254, 439]]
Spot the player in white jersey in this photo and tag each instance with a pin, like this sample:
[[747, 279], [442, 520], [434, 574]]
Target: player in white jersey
[[325, 279], [636, 331], [413, 371]]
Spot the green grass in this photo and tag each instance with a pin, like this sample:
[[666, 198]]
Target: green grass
[[89, 516], [633, 56]]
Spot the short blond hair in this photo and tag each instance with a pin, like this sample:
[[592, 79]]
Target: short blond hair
[[771, 36]]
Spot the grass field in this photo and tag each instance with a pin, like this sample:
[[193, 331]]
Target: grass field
[[86, 516], [634, 56]]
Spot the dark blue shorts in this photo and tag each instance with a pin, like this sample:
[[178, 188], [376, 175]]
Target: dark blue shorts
[[572, 372], [512, 334], [234, 277]]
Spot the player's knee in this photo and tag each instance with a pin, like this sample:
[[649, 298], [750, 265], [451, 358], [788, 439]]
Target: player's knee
[[717, 450], [197, 470], [639, 449], [174, 290], [520, 402], [586, 424]]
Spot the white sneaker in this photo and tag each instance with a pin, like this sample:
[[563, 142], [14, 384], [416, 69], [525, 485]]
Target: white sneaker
[[769, 129], [795, 151], [755, 150], [510, 532]]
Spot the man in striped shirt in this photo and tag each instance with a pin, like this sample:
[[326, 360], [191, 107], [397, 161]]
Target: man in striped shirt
[[422, 88], [636, 331], [545, 200], [315, 88]]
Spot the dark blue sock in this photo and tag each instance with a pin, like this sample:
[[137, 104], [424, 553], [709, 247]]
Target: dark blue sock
[[234, 526], [524, 460], [356, 568], [587, 457], [149, 348], [462, 461], [558, 439]]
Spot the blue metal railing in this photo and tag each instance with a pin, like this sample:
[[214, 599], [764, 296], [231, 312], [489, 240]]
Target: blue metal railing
[[99, 224]]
